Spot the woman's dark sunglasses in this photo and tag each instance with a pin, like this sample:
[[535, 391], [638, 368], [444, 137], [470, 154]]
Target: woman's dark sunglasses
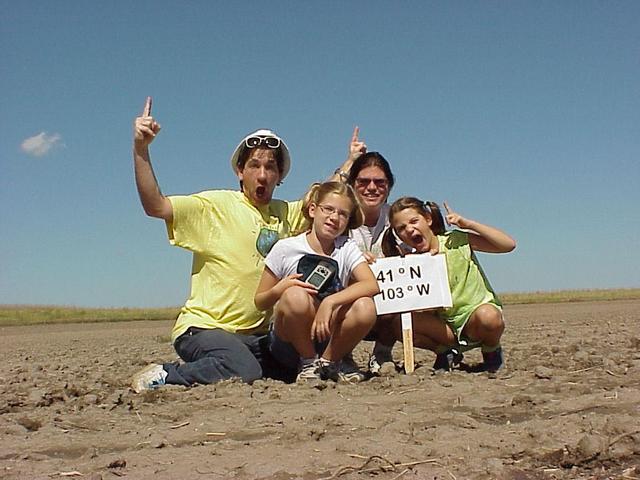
[[378, 182], [253, 142]]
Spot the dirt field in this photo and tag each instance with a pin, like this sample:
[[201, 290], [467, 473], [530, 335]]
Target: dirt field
[[567, 405]]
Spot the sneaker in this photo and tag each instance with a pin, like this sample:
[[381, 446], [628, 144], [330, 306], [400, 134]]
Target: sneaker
[[150, 377], [309, 371], [329, 370], [349, 370], [445, 361], [492, 360], [377, 359]]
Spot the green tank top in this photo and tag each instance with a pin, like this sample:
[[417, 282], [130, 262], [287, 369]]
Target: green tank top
[[468, 283]]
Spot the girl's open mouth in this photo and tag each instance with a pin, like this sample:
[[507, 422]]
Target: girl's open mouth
[[416, 240]]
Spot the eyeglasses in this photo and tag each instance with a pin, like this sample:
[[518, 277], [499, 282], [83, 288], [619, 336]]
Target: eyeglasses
[[271, 142], [365, 182], [329, 210]]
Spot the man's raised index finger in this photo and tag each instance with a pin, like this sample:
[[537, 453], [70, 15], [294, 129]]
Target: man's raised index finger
[[147, 108]]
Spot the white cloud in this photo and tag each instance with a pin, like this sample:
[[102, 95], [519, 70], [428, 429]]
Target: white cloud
[[40, 144]]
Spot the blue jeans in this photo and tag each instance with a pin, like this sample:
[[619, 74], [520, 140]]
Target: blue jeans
[[214, 355]]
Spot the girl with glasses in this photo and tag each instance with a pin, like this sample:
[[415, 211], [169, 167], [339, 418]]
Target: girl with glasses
[[314, 328], [475, 319]]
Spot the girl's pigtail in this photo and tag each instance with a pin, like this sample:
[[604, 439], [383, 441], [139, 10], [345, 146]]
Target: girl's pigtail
[[390, 245], [437, 221], [310, 197]]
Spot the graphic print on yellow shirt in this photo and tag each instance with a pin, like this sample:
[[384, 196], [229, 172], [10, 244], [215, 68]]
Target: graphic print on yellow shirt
[[267, 238]]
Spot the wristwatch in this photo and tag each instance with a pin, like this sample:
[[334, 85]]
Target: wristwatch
[[344, 176]]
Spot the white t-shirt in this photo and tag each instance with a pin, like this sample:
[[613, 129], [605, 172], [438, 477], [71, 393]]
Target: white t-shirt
[[283, 258], [369, 239]]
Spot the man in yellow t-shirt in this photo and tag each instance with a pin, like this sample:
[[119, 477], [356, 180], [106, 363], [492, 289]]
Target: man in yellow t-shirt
[[220, 334]]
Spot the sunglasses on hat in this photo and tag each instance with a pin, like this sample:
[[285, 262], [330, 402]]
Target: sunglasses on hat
[[256, 141]]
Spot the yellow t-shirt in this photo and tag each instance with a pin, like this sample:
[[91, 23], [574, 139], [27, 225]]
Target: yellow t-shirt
[[229, 238]]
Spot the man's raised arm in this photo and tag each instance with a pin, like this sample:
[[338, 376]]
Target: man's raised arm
[[145, 130]]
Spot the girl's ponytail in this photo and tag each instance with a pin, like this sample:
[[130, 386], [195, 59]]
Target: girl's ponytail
[[310, 197], [437, 221], [390, 245]]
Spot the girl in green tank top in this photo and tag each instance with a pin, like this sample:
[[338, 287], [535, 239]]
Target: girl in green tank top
[[475, 319]]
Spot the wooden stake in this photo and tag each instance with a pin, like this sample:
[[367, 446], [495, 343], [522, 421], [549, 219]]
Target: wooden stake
[[407, 342]]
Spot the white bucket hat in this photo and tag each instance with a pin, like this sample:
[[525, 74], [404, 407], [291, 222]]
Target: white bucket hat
[[263, 132]]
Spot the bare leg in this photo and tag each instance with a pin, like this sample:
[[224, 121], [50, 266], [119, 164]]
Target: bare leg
[[384, 329], [429, 331], [353, 323], [485, 325], [294, 315]]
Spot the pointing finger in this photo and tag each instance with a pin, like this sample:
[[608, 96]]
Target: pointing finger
[[147, 108], [356, 132], [446, 207]]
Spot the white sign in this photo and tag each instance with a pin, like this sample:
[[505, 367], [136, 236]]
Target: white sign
[[413, 282]]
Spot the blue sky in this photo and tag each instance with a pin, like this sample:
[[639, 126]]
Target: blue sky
[[523, 115]]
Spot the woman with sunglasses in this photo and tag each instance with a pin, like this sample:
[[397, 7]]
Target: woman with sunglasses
[[314, 325], [372, 179]]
